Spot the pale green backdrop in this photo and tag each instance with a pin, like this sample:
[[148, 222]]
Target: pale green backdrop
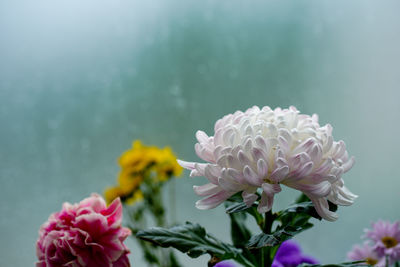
[[79, 80]]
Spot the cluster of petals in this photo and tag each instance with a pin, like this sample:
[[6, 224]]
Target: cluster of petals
[[386, 238], [383, 244], [262, 149], [366, 253], [84, 234]]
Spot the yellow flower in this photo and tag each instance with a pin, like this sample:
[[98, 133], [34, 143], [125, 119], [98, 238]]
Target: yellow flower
[[128, 182], [167, 165], [177, 169], [143, 162], [136, 197], [112, 193], [135, 159], [149, 158]]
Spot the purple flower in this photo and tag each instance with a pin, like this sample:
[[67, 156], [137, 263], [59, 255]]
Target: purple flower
[[225, 264], [386, 238], [289, 255]]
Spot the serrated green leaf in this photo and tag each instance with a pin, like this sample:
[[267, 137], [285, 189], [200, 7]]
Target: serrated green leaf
[[300, 208], [188, 238], [280, 235], [193, 240]]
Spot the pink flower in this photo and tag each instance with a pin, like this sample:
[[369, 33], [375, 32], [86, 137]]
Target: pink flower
[[367, 253], [386, 237], [85, 234]]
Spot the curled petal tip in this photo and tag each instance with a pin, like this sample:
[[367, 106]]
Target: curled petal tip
[[187, 165]]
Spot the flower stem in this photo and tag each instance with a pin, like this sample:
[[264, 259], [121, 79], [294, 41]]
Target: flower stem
[[266, 260]]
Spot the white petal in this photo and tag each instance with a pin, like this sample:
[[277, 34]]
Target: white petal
[[222, 161], [328, 145], [206, 190], [259, 154], [348, 164], [305, 146], [251, 177], [322, 208], [283, 143], [315, 153], [279, 174], [227, 183], [325, 166], [281, 162], [344, 191], [341, 149], [262, 168], [248, 146], [213, 200], [204, 153], [249, 198], [200, 167], [244, 160], [285, 134], [187, 165], [315, 190], [226, 136], [267, 197], [234, 174], [217, 151], [202, 137], [303, 171], [212, 174], [234, 163], [260, 142], [218, 136]]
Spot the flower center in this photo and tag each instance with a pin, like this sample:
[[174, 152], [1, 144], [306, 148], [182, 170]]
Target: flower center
[[371, 261], [389, 241]]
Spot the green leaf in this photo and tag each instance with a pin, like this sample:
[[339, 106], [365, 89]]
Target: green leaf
[[237, 207], [242, 207], [193, 240], [280, 235], [306, 208], [173, 260], [302, 198], [239, 232], [240, 235], [236, 198]]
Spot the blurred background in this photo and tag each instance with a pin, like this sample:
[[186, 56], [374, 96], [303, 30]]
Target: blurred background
[[79, 80]]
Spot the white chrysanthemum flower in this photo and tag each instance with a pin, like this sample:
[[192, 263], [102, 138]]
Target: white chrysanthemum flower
[[265, 149]]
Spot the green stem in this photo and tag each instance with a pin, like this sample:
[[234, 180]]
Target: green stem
[[172, 200], [269, 219], [266, 260]]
